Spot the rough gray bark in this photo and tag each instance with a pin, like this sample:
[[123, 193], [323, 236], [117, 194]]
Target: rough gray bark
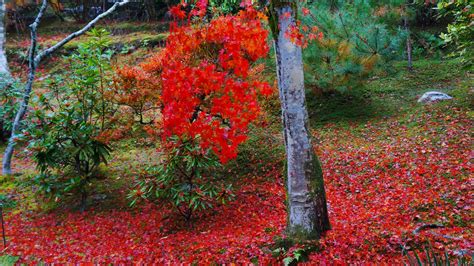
[[307, 209], [4, 70], [34, 60]]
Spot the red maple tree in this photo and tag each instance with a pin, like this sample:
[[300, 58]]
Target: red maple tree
[[204, 80]]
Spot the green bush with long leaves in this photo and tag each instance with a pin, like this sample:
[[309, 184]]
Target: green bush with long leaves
[[10, 93], [65, 132]]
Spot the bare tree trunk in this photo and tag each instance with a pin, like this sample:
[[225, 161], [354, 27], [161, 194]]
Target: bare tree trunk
[[4, 70], [5, 76], [150, 9], [307, 209], [34, 60], [409, 48], [86, 6]]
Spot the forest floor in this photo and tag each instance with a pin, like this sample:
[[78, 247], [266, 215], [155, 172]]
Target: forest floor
[[391, 166]]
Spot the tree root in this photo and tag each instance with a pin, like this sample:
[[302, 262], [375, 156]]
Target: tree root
[[426, 226]]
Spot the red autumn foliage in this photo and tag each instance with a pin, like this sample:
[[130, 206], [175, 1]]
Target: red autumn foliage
[[201, 81], [302, 35], [136, 89], [384, 180]]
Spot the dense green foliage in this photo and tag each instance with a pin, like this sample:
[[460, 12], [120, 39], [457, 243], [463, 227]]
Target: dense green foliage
[[355, 45], [460, 32], [225, 6], [65, 131], [9, 94]]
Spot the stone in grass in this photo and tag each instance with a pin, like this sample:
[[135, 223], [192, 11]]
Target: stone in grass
[[433, 96]]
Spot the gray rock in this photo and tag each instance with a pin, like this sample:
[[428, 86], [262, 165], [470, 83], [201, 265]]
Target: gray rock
[[433, 96]]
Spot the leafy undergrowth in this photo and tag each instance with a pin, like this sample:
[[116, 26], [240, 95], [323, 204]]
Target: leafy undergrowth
[[384, 180]]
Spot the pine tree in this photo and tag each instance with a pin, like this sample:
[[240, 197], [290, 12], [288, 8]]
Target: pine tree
[[355, 44]]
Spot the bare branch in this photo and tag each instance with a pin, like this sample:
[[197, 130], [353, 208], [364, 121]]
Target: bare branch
[[33, 27], [73, 35]]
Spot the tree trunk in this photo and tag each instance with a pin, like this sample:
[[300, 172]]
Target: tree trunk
[[307, 209], [409, 49], [7, 157], [5, 75], [4, 70], [150, 10], [85, 10], [34, 60]]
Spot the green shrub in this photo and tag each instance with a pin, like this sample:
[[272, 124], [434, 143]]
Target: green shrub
[[427, 44], [460, 32], [10, 93], [66, 132], [225, 6]]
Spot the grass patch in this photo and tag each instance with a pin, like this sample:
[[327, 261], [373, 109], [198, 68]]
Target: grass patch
[[393, 94]]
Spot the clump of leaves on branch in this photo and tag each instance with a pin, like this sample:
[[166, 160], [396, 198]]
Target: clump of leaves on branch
[[67, 132], [208, 91], [354, 47], [225, 6], [460, 32], [10, 93]]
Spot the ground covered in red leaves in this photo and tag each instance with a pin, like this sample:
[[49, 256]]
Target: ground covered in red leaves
[[384, 179], [383, 186], [233, 232]]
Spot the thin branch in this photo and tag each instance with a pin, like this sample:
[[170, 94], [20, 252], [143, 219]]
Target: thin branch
[[343, 25], [33, 27], [73, 35]]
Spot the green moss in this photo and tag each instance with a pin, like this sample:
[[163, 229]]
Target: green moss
[[318, 195], [392, 94], [298, 234], [316, 181]]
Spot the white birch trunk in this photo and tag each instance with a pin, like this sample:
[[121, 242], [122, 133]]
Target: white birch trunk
[[307, 210], [4, 70]]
